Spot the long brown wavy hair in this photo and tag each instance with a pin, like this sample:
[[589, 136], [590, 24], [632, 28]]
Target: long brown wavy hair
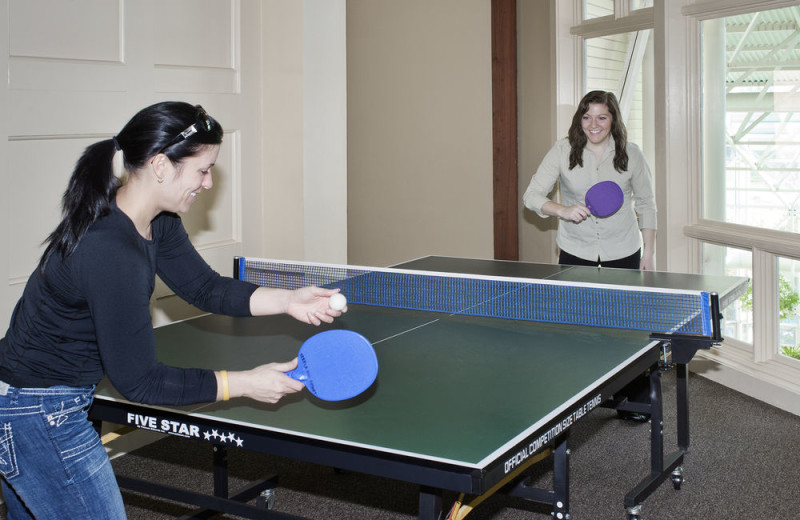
[[577, 137]]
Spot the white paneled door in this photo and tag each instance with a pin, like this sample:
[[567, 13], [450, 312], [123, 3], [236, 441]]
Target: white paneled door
[[78, 70]]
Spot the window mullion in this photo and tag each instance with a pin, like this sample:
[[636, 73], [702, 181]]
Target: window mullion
[[765, 306], [621, 8]]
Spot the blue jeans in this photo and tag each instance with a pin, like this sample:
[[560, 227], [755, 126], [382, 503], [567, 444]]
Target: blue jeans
[[51, 459]]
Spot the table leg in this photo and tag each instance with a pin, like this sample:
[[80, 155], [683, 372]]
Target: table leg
[[561, 480], [661, 467], [682, 396], [220, 471], [430, 503]]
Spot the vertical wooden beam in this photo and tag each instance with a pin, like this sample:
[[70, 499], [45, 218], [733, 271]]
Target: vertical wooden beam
[[504, 129]]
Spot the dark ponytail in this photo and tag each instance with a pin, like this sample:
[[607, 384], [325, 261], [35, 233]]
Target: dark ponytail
[[87, 198], [92, 187]]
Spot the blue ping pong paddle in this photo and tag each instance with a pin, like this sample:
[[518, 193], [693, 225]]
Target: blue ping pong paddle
[[604, 198], [336, 364]]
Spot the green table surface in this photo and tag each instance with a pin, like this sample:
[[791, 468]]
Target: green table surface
[[457, 389], [450, 388]]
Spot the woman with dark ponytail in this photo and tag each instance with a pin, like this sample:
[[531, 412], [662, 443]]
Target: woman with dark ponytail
[[597, 149], [85, 314]]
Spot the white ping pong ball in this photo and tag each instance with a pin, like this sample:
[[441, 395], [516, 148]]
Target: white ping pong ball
[[337, 302]]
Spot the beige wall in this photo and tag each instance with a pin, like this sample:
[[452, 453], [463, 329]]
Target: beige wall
[[8, 297], [304, 128], [537, 124], [304, 124], [419, 129], [282, 129]]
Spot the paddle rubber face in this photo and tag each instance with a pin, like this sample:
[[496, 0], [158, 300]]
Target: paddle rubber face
[[336, 364], [604, 198]]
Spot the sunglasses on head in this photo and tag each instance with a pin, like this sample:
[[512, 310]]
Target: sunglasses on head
[[202, 122]]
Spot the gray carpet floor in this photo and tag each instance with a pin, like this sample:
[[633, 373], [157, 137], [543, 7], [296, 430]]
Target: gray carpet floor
[[744, 462]]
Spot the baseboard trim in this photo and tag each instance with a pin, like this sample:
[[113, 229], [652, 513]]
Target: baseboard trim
[[747, 384]]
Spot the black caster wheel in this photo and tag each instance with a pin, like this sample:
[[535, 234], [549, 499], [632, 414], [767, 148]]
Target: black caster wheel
[[633, 417], [266, 500], [677, 478]]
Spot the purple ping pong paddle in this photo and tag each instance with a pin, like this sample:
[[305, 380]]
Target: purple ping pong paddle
[[604, 198], [336, 364]]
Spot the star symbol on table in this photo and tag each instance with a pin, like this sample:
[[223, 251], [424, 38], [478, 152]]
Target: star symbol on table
[[224, 438]]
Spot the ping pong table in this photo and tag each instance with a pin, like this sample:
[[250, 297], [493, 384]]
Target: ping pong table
[[461, 404]]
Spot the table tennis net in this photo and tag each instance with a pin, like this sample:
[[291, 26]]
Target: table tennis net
[[663, 311]]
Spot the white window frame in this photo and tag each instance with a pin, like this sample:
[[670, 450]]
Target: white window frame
[[762, 361]]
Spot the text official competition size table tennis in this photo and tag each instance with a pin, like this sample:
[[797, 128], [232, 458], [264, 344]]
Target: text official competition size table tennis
[[463, 402]]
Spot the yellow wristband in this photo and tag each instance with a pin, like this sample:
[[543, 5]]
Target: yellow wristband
[[225, 391]]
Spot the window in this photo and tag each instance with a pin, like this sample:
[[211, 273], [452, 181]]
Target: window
[[751, 119], [751, 169], [612, 8], [788, 292], [597, 8], [623, 64], [729, 261]]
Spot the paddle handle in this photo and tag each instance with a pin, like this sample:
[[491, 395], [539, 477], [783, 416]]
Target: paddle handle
[[297, 375]]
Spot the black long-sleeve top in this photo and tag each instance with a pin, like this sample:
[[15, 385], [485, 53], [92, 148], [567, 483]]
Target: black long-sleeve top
[[89, 314]]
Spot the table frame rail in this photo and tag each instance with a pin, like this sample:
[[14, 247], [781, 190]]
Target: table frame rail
[[432, 477]]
